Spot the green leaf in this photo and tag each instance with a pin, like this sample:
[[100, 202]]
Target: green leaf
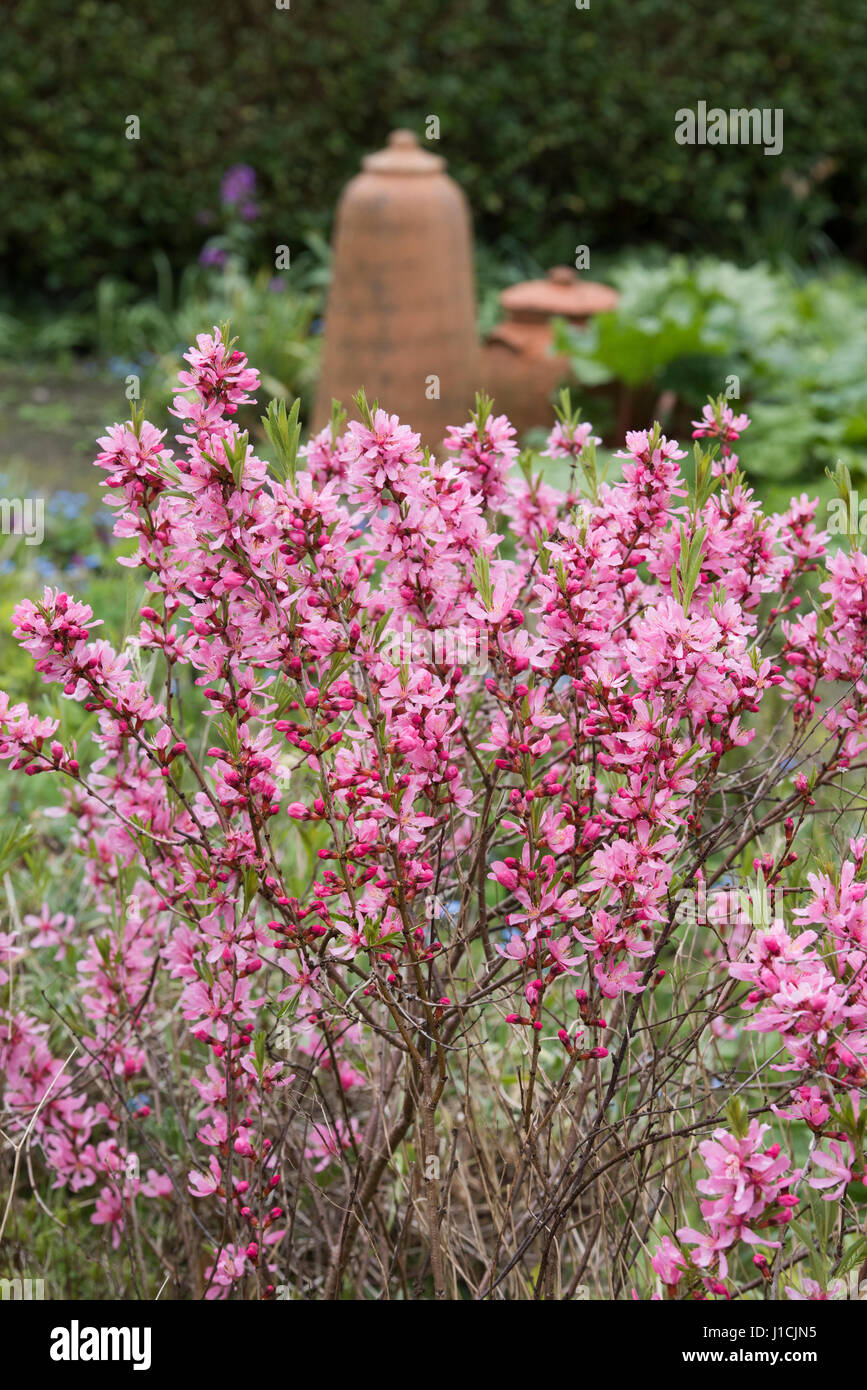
[[284, 434], [228, 727], [338, 422], [691, 555], [482, 571], [738, 1116], [203, 970], [251, 887], [366, 411], [852, 1258], [14, 842], [259, 1051], [236, 457], [482, 412]]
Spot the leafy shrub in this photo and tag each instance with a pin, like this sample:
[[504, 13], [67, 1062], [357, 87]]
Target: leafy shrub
[[405, 957]]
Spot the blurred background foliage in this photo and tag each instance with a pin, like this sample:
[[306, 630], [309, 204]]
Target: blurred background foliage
[[558, 122], [791, 347]]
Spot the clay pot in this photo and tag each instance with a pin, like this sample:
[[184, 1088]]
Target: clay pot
[[400, 319], [518, 365]]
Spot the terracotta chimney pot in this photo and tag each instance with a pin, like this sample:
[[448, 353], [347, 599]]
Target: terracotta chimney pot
[[518, 365]]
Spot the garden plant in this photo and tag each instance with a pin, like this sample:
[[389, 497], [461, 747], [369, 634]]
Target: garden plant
[[471, 896]]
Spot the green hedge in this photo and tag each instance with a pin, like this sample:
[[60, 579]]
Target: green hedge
[[559, 122]]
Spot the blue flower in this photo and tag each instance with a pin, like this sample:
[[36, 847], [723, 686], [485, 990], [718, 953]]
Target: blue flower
[[118, 367]]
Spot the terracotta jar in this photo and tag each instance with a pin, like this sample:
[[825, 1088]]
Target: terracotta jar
[[518, 365], [400, 319]]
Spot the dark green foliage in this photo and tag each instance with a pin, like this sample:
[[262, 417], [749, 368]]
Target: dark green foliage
[[558, 122]]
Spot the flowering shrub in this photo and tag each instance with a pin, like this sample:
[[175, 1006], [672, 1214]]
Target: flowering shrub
[[386, 976]]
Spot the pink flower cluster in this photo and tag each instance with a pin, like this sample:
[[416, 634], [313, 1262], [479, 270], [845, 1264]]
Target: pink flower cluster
[[551, 798], [747, 1193], [811, 989]]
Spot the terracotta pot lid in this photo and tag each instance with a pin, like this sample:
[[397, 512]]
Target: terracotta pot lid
[[561, 293], [403, 155]]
